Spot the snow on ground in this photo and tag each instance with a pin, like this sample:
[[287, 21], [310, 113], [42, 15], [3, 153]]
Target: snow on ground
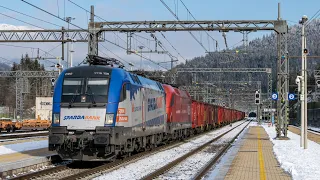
[[191, 166], [301, 163], [228, 137], [26, 146], [12, 134], [153, 162]]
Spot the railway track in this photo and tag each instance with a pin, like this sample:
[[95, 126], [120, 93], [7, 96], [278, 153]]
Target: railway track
[[310, 130], [53, 160], [208, 165], [314, 131], [60, 172], [23, 135], [312, 135]]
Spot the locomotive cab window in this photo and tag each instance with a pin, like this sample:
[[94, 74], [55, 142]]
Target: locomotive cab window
[[97, 90], [123, 95], [72, 86], [172, 101], [97, 86]]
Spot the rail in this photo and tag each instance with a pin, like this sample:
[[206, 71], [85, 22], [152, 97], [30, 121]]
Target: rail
[[208, 166], [23, 135], [182, 158]]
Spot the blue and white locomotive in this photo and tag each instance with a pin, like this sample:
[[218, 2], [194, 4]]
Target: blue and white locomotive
[[101, 112]]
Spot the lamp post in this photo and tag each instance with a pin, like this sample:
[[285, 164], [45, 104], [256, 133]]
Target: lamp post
[[131, 66], [304, 75], [68, 19], [71, 51], [141, 47]]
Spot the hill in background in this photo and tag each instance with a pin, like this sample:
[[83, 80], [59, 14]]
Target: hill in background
[[262, 53]]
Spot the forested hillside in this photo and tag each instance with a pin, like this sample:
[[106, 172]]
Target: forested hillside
[[262, 53]]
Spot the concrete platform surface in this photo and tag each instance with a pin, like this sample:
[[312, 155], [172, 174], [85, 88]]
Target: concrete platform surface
[[255, 158], [24, 159]]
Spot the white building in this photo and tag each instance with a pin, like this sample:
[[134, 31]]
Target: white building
[[44, 108]]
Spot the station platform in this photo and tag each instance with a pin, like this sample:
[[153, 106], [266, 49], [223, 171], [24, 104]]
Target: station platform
[[24, 160], [252, 158]]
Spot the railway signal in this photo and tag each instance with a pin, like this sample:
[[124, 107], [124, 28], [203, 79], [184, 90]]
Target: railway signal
[[52, 81], [59, 67], [318, 83], [257, 97]]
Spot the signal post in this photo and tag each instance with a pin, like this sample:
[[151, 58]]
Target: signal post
[[301, 81], [258, 103]]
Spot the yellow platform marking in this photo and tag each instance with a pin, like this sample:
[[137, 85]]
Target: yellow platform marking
[[261, 161]]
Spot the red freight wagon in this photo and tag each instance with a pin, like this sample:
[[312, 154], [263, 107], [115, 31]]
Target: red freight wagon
[[194, 114], [220, 115], [226, 117], [178, 105], [206, 115], [216, 115], [210, 116], [199, 115], [202, 115], [239, 115]]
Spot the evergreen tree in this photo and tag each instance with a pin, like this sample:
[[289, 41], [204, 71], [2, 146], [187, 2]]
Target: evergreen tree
[[8, 93]]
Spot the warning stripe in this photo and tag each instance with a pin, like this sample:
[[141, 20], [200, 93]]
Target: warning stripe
[[261, 161]]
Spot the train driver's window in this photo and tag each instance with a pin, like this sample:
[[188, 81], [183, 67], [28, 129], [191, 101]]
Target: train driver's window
[[123, 95], [172, 101]]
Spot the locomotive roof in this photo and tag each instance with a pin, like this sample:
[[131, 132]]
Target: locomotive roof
[[179, 92], [102, 71], [84, 70]]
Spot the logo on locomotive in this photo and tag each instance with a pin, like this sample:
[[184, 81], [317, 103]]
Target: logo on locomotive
[[121, 111], [122, 119], [82, 117], [154, 103], [135, 108]]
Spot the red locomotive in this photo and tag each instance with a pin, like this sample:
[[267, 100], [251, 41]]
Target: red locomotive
[[178, 109]]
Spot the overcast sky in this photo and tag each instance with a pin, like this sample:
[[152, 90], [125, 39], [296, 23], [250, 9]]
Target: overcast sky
[[126, 10]]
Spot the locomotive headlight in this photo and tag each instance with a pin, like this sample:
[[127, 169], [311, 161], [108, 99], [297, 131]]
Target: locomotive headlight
[[109, 119], [56, 118]]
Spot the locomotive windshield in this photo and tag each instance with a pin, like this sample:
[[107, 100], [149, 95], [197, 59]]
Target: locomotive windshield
[[85, 90], [72, 86], [98, 86]]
